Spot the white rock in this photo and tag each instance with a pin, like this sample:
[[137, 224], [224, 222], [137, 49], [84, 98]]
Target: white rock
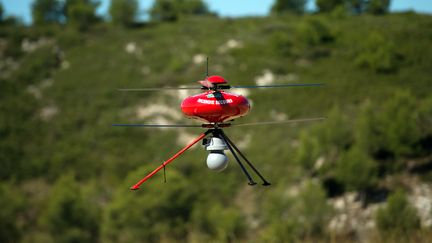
[[267, 78], [131, 47], [199, 58], [48, 112]]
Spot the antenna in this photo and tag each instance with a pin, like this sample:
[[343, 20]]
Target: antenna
[[207, 73]]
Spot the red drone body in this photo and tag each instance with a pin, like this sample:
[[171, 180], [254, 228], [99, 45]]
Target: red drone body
[[217, 109], [215, 106]]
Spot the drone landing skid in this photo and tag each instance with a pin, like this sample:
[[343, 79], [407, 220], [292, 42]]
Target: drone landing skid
[[231, 146]]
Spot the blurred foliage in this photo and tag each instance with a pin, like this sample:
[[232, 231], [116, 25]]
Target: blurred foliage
[[166, 10], [66, 172], [399, 124], [325, 6], [1, 12], [398, 217], [357, 6], [80, 14], [297, 217], [46, 12], [68, 216], [163, 216], [11, 204], [378, 53], [356, 170], [288, 6], [378, 6], [123, 12]]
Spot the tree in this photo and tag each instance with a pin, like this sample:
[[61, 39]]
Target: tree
[[167, 10], [398, 216], [46, 12], [80, 13], [1, 12], [123, 12], [326, 6], [357, 6], [293, 6], [378, 6]]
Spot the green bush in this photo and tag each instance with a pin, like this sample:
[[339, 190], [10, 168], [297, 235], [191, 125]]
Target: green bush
[[366, 131], [226, 223], [11, 205], [281, 43], [378, 54], [399, 124], [355, 170], [68, 216], [425, 117], [398, 217], [308, 151], [36, 66], [302, 216], [314, 32], [163, 210]]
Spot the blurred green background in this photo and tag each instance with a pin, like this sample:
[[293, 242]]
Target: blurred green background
[[364, 174]]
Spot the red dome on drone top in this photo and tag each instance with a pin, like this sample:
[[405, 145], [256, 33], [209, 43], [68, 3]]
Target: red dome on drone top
[[215, 79]]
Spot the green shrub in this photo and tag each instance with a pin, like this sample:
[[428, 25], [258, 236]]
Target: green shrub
[[281, 43], [366, 130], [425, 117], [399, 124], [398, 217], [11, 204], [356, 170], [302, 216], [68, 216], [308, 151], [36, 66], [378, 54], [314, 31], [226, 223], [162, 210]]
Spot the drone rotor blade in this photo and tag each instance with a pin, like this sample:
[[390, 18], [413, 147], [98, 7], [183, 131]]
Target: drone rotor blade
[[274, 86], [163, 88], [156, 125], [279, 122]]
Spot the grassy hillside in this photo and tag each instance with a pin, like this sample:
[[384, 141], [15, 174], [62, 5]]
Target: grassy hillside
[[66, 172]]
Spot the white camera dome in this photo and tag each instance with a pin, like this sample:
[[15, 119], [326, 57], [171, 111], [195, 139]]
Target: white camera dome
[[217, 161]]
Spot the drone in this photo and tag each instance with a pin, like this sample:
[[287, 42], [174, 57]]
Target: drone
[[216, 109]]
